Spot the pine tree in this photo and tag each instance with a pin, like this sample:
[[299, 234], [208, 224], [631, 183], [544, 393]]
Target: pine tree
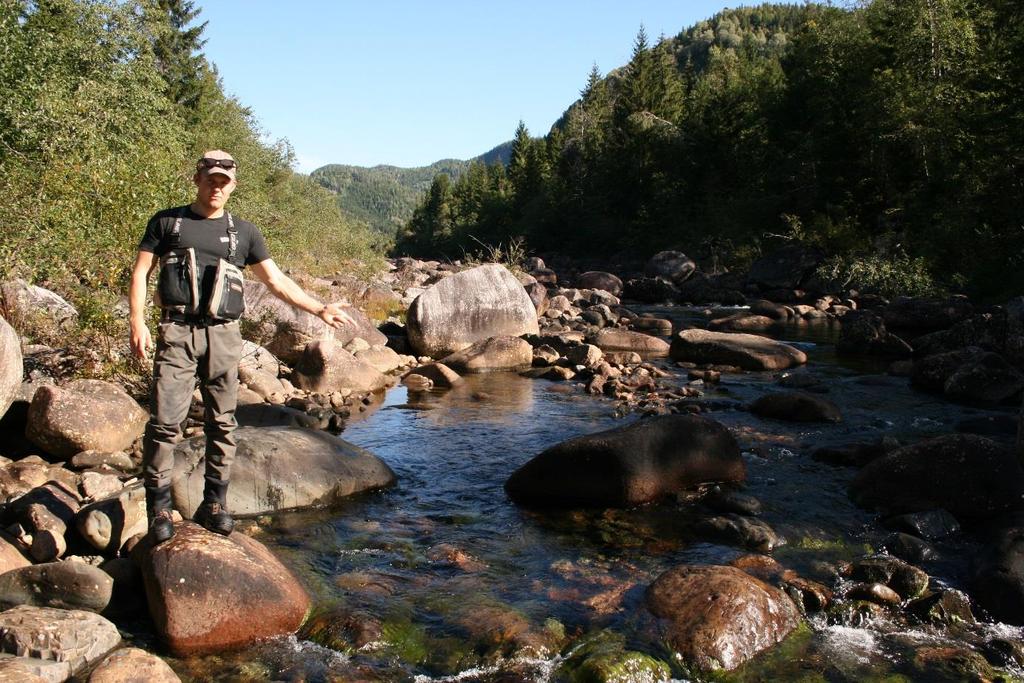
[[177, 48]]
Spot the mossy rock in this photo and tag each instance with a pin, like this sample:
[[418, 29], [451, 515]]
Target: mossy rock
[[603, 658]]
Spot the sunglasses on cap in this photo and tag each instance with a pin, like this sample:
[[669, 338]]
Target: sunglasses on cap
[[222, 163]]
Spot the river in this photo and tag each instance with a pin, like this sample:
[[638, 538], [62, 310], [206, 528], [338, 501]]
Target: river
[[456, 583]]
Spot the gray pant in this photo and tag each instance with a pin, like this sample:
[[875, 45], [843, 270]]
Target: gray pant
[[182, 352]]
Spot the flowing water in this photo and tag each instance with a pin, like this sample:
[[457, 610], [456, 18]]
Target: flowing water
[[453, 582]]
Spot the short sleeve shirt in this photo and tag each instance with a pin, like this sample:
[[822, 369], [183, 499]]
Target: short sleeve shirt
[[209, 237]]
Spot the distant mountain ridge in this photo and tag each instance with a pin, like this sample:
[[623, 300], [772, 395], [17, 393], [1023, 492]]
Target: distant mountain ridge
[[385, 196]]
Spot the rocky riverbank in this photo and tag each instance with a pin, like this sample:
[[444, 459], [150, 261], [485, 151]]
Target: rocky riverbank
[[75, 563]]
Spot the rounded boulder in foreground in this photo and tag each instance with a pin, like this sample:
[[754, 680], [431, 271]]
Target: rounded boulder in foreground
[[210, 593], [482, 302], [719, 617], [630, 465], [748, 351], [133, 664], [87, 414]]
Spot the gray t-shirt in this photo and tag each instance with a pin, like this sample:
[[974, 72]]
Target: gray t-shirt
[[209, 237]]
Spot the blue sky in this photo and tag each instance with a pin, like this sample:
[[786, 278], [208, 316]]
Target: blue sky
[[408, 83]]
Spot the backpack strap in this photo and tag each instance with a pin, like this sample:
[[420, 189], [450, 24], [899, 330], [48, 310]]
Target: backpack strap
[[232, 240], [176, 230]]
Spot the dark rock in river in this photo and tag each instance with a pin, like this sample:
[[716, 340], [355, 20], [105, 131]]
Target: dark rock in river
[[209, 593], [650, 290], [741, 322], [925, 313], [719, 617], [596, 279], [849, 455], [741, 531], [671, 266], [971, 476], [796, 406], [907, 580], [705, 289], [629, 465], [930, 524], [785, 268], [864, 332], [986, 378], [945, 607], [615, 340], [999, 574]]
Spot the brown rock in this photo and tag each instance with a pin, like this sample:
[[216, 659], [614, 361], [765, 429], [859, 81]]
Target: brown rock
[[496, 354], [616, 340], [324, 366], [132, 665], [210, 593], [439, 373], [719, 617], [380, 357], [76, 637], [86, 414], [748, 351], [10, 556]]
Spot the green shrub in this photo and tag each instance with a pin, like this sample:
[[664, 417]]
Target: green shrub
[[886, 275]]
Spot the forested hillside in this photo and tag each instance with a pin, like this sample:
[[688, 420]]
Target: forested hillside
[[890, 133], [384, 197], [106, 106]]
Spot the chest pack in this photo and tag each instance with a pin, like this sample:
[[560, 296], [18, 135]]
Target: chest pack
[[178, 287]]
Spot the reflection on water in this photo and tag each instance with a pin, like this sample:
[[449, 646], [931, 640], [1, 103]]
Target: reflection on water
[[464, 586]]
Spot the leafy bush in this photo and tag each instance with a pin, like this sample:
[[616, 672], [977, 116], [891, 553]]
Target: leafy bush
[[889, 276]]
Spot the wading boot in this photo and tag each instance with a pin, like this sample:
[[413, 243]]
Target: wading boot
[[212, 514], [158, 510]]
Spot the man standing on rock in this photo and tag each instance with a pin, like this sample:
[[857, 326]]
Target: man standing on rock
[[202, 249]]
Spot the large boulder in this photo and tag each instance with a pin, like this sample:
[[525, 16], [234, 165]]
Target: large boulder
[[83, 415], [717, 617], [970, 476], [280, 468], [288, 330], [701, 288], [671, 266], [496, 354], [75, 637], [986, 379], [209, 593], [615, 339], [32, 305], [598, 279], [11, 366], [324, 366], [67, 585], [630, 465], [785, 268], [467, 307], [650, 290], [748, 351]]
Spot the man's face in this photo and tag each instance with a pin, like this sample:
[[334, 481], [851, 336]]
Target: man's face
[[213, 189]]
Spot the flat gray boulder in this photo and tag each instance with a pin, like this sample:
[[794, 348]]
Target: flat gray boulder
[[497, 354], [11, 365], [748, 351], [280, 468], [76, 637], [476, 304], [631, 465], [83, 415], [289, 329]]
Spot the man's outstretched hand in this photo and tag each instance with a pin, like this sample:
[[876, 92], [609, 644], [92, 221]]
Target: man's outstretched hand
[[140, 339], [335, 315]]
